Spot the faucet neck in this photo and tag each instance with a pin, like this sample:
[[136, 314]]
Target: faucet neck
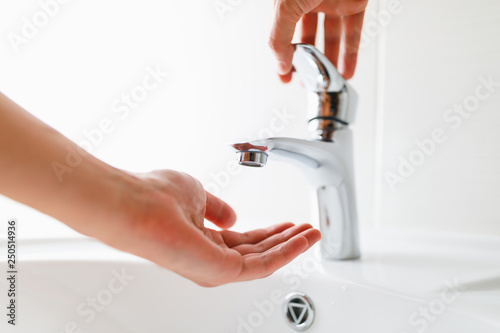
[[331, 114]]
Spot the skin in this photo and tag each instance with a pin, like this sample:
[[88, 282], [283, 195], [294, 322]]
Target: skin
[[343, 23], [159, 215]]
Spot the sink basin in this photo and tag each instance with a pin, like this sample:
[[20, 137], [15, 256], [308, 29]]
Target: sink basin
[[403, 283]]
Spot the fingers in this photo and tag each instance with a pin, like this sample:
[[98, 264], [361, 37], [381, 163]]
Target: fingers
[[285, 78], [264, 264], [271, 241], [219, 212], [286, 15], [308, 27], [351, 26], [226, 265], [312, 235], [233, 239], [256, 267], [343, 20], [333, 34]]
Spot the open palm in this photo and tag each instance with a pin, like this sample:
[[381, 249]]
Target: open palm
[[169, 229]]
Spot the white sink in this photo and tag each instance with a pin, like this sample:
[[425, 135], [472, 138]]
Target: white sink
[[401, 284]]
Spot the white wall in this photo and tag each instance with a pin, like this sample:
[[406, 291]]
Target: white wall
[[222, 87], [432, 57]]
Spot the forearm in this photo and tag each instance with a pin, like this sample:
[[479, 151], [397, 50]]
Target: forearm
[[43, 169]]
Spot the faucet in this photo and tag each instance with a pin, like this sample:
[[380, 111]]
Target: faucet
[[327, 161]]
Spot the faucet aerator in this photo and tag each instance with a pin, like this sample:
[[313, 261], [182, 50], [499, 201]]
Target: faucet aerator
[[256, 159]]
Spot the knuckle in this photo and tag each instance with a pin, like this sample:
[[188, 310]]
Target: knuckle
[[275, 45], [259, 248], [292, 9], [354, 7], [351, 49], [359, 3], [246, 236], [271, 42], [295, 8]]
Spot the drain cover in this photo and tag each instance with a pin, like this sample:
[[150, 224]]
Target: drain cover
[[299, 311]]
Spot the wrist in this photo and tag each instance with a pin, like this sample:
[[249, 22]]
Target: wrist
[[91, 197]]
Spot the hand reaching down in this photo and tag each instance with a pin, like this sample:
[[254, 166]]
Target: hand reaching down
[[343, 23]]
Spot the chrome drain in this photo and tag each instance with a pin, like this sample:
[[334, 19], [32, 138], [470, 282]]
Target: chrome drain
[[299, 311]]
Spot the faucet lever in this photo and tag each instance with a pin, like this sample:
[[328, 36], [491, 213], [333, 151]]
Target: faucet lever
[[315, 70], [333, 100]]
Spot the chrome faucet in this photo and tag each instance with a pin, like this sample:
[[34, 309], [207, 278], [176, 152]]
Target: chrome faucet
[[326, 161]]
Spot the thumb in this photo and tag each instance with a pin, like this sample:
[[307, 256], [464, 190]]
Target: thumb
[[219, 212]]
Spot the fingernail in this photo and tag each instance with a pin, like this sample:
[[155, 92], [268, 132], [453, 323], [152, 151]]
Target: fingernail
[[281, 68]]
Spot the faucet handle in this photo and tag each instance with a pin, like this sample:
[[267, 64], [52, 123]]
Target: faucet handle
[[333, 101], [315, 70]]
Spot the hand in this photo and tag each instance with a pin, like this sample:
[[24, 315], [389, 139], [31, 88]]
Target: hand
[[158, 216], [168, 209], [343, 21]]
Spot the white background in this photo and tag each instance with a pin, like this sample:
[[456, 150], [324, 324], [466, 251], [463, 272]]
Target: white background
[[222, 87]]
